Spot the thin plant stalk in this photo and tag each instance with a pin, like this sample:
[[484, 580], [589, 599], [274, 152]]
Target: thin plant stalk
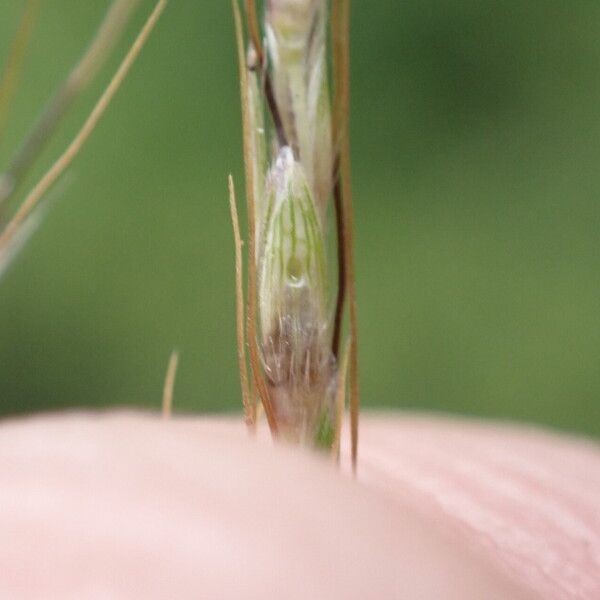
[[340, 399], [247, 399], [341, 141], [258, 381], [63, 162], [254, 31], [9, 81], [169, 385], [78, 79]]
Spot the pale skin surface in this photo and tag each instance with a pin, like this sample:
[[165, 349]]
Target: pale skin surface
[[132, 506]]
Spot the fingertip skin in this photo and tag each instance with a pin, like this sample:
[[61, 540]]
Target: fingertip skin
[[123, 505], [525, 499]]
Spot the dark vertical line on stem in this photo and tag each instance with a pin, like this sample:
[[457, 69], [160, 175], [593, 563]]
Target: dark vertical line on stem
[[341, 259]]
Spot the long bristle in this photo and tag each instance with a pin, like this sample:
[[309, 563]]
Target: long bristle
[[258, 381], [247, 399], [341, 55], [84, 71], [58, 168], [169, 385], [9, 81]]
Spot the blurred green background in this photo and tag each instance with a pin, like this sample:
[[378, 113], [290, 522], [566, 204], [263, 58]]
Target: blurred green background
[[476, 148]]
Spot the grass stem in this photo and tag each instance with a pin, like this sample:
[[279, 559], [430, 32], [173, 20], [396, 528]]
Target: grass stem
[[80, 76], [56, 170], [14, 63]]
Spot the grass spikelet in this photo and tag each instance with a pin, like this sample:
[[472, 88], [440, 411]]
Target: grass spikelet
[[296, 154]]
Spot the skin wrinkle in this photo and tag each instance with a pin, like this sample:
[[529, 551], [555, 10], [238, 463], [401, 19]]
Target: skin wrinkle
[[532, 536], [550, 511], [439, 495], [541, 479]]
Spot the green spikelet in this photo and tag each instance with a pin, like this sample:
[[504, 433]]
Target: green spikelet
[[293, 300], [297, 45]]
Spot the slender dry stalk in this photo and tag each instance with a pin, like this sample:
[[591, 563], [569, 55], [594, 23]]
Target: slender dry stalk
[[169, 385], [247, 399], [254, 30], [78, 79], [341, 141], [14, 63], [22, 236], [340, 399], [258, 381], [88, 127]]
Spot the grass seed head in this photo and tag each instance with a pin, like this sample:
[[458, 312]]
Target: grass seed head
[[290, 160], [293, 305]]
